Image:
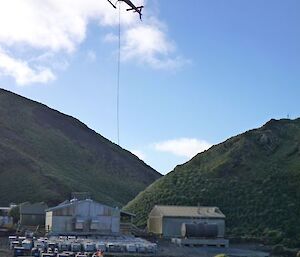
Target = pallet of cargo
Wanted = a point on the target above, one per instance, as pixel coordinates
(216, 242)
(129, 255)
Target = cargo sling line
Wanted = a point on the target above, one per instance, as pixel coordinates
(118, 76)
(139, 11)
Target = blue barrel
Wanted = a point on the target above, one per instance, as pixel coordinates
(35, 252)
(19, 251)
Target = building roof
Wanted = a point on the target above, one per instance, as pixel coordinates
(33, 208)
(5, 208)
(68, 203)
(126, 213)
(187, 211)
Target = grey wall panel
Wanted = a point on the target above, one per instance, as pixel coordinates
(106, 219)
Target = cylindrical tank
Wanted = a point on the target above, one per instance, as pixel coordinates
(200, 230)
(48, 255)
(211, 230)
(64, 246)
(69, 254)
(19, 251)
(81, 255)
(63, 255)
(39, 244)
(131, 248)
(14, 244)
(89, 246)
(151, 248)
(101, 246)
(35, 252)
(27, 244)
(51, 245)
(75, 247)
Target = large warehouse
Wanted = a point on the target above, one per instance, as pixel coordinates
(167, 221)
(82, 217)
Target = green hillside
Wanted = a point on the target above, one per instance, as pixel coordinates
(254, 178)
(45, 155)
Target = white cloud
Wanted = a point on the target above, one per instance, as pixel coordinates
(59, 27)
(186, 147)
(21, 71)
(110, 38)
(139, 154)
(148, 43)
(50, 59)
(91, 56)
(53, 24)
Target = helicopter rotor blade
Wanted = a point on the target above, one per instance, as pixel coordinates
(112, 4)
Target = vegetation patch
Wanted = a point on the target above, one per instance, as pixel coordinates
(254, 178)
(45, 155)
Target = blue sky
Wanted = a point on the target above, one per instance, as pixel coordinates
(193, 73)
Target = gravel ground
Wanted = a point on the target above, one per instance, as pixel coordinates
(175, 251)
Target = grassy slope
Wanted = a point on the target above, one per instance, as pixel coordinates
(254, 178)
(45, 155)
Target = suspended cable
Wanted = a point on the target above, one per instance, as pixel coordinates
(137, 9)
(118, 76)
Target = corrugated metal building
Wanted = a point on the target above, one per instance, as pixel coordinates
(166, 221)
(5, 219)
(82, 217)
(32, 214)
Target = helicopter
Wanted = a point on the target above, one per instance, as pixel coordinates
(134, 8)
